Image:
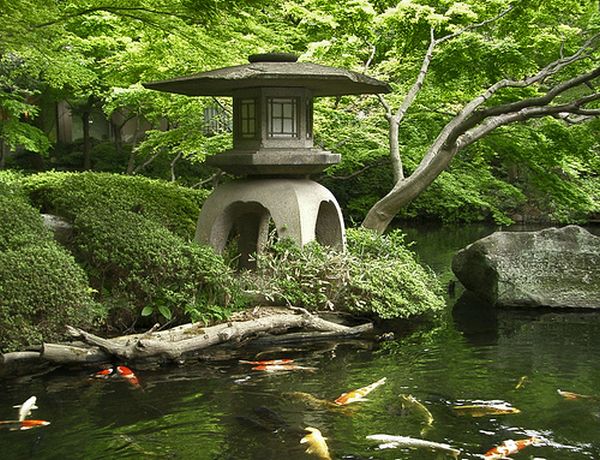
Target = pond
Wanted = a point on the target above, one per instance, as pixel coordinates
(227, 410)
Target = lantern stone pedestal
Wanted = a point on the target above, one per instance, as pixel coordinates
(300, 209)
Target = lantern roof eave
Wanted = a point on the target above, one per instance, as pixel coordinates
(320, 80)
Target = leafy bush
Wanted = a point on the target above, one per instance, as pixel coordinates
(140, 267)
(69, 194)
(377, 275)
(41, 286)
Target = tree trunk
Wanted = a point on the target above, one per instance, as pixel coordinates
(3, 153)
(87, 151)
(395, 149)
(381, 214)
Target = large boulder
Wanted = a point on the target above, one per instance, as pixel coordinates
(554, 267)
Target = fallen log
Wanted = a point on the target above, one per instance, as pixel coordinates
(69, 354)
(172, 345)
(19, 363)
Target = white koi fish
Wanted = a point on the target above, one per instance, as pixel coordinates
(316, 444)
(389, 442)
(26, 408)
(358, 395)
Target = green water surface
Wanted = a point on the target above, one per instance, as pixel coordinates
(227, 411)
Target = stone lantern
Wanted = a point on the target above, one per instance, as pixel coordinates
(273, 151)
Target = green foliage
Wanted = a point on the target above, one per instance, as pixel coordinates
(378, 276)
(69, 194)
(140, 267)
(41, 287)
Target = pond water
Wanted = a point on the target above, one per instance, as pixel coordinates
(228, 411)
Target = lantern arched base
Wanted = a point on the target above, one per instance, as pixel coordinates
(300, 209)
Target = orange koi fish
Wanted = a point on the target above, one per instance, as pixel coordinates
(27, 424)
(128, 374)
(571, 395)
(268, 362)
(358, 395)
(508, 447)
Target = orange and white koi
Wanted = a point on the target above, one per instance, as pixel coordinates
(26, 424)
(281, 367)
(31, 423)
(128, 374)
(571, 395)
(358, 395)
(268, 362)
(316, 444)
(26, 408)
(104, 373)
(508, 447)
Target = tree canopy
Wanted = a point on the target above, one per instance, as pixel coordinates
(460, 72)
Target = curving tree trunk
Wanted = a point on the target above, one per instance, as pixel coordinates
(475, 121)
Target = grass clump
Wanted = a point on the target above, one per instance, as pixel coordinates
(377, 276)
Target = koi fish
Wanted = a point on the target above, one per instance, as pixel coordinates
(411, 403)
(521, 383)
(358, 395)
(268, 362)
(571, 395)
(389, 442)
(26, 408)
(29, 424)
(316, 444)
(128, 374)
(482, 409)
(508, 447)
(312, 401)
(26, 424)
(281, 367)
(104, 373)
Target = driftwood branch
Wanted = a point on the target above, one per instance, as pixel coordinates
(173, 344)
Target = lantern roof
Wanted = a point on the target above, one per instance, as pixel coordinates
(273, 70)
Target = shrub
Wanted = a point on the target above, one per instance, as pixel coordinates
(69, 194)
(140, 267)
(377, 276)
(20, 223)
(41, 286)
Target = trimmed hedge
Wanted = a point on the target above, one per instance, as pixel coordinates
(41, 286)
(69, 194)
(139, 266)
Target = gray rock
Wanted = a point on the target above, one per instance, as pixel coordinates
(62, 229)
(554, 267)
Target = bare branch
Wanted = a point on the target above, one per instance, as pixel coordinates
(574, 107)
(173, 163)
(475, 26)
(386, 106)
(418, 84)
(371, 57)
(359, 171)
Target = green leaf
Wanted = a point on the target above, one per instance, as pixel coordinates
(165, 311)
(147, 310)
